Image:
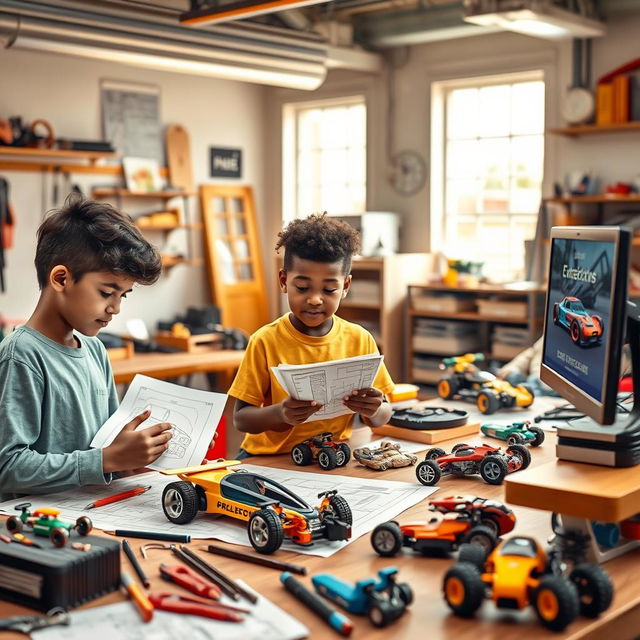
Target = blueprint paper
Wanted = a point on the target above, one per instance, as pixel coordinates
(328, 382)
(194, 414)
(122, 621)
(372, 501)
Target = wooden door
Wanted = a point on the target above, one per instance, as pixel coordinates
(233, 256)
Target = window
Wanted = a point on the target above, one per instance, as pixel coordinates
(324, 163)
(492, 146)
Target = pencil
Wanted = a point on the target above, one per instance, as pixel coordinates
(141, 601)
(151, 535)
(136, 565)
(249, 557)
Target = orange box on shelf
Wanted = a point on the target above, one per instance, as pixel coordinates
(191, 344)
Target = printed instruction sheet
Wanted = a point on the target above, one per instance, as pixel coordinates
(193, 414)
(372, 501)
(328, 382)
(122, 621)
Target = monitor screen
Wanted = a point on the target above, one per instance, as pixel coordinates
(585, 316)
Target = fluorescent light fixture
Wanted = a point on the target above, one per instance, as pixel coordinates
(540, 19)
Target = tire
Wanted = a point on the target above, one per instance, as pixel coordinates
(343, 454)
(383, 467)
(529, 390)
(428, 473)
(492, 525)
(301, 455)
(556, 317)
(381, 614)
(448, 388)
(386, 539)
(481, 537)
(515, 438)
(463, 589)
(327, 458)
(405, 592)
(473, 554)
(14, 524)
(341, 509)
(539, 435)
(84, 526)
(180, 502)
(555, 601)
(493, 469)
(595, 590)
(59, 537)
(520, 451)
(434, 452)
(574, 332)
(265, 531)
(488, 402)
(460, 445)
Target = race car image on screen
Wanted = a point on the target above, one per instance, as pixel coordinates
(583, 328)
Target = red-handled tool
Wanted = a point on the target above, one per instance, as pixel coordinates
(197, 607)
(190, 580)
(117, 497)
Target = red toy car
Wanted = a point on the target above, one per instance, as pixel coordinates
(491, 463)
(321, 447)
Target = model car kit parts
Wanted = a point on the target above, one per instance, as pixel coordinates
(515, 433)
(322, 448)
(517, 574)
(583, 328)
(272, 511)
(491, 463)
(383, 600)
(466, 381)
(45, 522)
(386, 456)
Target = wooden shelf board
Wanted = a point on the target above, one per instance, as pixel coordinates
(586, 129)
(33, 153)
(350, 304)
(595, 199)
(126, 193)
(468, 315)
(491, 289)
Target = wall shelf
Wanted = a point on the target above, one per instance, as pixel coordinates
(600, 198)
(588, 129)
(116, 192)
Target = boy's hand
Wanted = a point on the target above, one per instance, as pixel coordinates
(133, 449)
(365, 401)
(297, 411)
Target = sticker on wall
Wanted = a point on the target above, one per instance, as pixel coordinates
(225, 163)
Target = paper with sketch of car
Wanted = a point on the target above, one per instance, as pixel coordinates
(193, 414)
(328, 382)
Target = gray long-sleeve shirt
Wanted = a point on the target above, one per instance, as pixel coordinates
(53, 399)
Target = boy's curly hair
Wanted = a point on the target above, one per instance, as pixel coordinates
(85, 236)
(319, 238)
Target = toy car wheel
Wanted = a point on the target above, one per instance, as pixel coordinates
(460, 445)
(428, 473)
(58, 537)
(539, 436)
(180, 502)
(488, 402)
(84, 525)
(574, 332)
(515, 438)
(473, 554)
(595, 589)
(265, 531)
(520, 451)
(386, 539)
(381, 614)
(492, 525)
(493, 469)
(302, 455)
(383, 466)
(405, 592)
(482, 537)
(463, 589)
(343, 454)
(14, 524)
(528, 390)
(555, 313)
(447, 388)
(434, 452)
(327, 459)
(556, 602)
(339, 507)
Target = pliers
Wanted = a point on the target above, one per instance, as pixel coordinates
(190, 580)
(195, 606)
(27, 624)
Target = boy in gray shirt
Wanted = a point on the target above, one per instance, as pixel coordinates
(56, 385)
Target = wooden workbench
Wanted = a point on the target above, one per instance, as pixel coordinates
(428, 616)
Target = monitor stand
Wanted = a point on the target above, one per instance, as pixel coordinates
(617, 445)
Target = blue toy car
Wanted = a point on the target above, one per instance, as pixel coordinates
(583, 328)
(383, 601)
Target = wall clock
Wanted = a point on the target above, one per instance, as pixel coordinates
(409, 172)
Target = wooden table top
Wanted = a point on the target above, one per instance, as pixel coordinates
(428, 616)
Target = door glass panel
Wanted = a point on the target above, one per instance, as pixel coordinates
(236, 205)
(241, 225)
(245, 271)
(225, 260)
(242, 248)
(222, 227)
(218, 204)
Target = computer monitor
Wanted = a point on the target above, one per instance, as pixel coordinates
(586, 317)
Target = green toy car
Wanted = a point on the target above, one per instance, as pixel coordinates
(44, 522)
(515, 433)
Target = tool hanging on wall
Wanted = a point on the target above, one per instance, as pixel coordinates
(7, 227)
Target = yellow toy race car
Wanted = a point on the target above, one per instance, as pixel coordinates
(271, 510)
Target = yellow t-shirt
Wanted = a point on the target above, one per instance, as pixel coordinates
(281, 343)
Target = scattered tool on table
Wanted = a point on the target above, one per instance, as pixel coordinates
(136, 565)
(123, 495)
(141, 601)
(153, 545)
(27, 624)
(197, 607)
(191, 581)
(22, 539)
(256, 559)
(151, 535)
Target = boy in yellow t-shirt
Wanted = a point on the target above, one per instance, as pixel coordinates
(316, 277)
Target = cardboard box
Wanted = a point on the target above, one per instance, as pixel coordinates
(428, 436)
(507, 309)
(501, 351)
(442, 304)
(447, 345)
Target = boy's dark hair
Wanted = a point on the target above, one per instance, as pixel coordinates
(319, 238)
(86, 236)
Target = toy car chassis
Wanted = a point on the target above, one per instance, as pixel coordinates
(386, 456)
(491, 463)
(272, 511)
(515, 433)
(583, 328)
(322, 448)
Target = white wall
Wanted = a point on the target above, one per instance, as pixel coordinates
(65, 91)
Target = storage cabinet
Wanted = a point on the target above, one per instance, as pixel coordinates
(447, 321)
